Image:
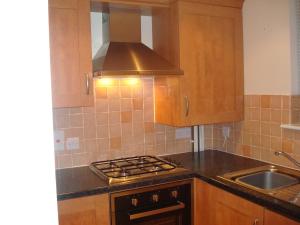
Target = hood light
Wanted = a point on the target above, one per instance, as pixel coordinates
(105, 82)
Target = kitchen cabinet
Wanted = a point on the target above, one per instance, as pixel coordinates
(92, 210)
(206, 42)
(270, 217)
(213, 206)
(230, 3)
(70, 53)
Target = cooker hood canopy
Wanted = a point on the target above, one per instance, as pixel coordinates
(123, 53)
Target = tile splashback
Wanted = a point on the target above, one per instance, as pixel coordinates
(120, 124)
(260, 135)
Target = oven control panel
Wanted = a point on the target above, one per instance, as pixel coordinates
(153, 198)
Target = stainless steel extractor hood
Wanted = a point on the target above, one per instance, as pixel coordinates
(123, 53)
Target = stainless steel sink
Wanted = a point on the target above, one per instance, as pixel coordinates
(265, 179)
(268, 180)
(280, 182)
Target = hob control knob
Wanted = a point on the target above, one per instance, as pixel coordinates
(155, 198)
(134, 202)
(174, 194)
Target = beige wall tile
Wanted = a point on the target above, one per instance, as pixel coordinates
(62, 121)
(287, 145)
(266, 142)
(137, 116)
(102, 118)
(90, 131)
(114, 117)
(115, 143)
(126, 104)
(246, 150)
(101, 92)
(127, 129)
(101, 105)
(275, 129)
(114, 105)
(149, 127)
(255, 101)
(115, 130)
(286, 102)
(276, 115)
(103, 131)
(74, 132)
(126, 91)
(285, 116)
(121, 123)
(265, 101)
(126, 117)
(80, 159)
(259, 135)
(113, 92)
(76, 120)
(137, 103)
(276, 144)
(265, 115)
(265, 128)
(65, 161)
(254, 113)
(275, 102)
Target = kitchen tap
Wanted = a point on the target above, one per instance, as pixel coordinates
(290, 158)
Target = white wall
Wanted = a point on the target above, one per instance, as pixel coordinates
(268, 47)
(27, 167)
(96, 28)
(96, 24)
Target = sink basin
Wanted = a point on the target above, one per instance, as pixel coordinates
(279, 182)
(268, 180)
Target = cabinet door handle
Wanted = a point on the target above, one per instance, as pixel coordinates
(256, 222)
(187, 105)
(87, 83)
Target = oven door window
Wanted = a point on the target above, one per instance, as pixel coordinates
(172, 214)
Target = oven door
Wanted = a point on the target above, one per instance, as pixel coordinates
(174, 214)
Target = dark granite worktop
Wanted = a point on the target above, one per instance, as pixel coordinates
(207, 165)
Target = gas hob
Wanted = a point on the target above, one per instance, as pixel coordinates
(133, 168)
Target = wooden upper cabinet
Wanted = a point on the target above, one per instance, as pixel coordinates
(272, 218)
(214, 206)
(93, 210)
(230, 3)
(206, 42)
(70, 49)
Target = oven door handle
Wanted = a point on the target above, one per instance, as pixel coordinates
(135, 216)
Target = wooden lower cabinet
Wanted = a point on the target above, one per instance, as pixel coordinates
(272, 218)
(92, 210)
(213, 206)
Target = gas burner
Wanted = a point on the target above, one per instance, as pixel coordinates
(153, 169)
(124, 172)
(141, 160)
(133, 168)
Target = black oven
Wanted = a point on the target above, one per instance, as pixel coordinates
(166, 204)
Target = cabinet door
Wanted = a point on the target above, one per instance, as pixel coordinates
(212, 59)
(92, 210)
(231, 3)
(70, 48)
(272, 218)
(214, 206)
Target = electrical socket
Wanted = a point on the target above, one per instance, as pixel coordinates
(72, 143)
(226, 132)
(59, 138)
